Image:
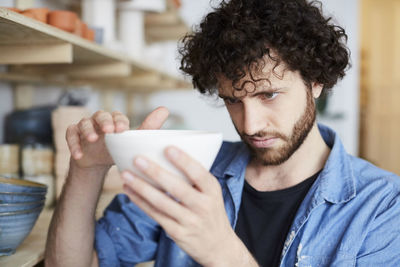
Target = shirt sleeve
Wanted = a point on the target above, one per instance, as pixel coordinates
(381, 246)
(125, 235)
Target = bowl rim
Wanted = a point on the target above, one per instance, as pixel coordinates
(16, 204)
(20, 182)
(19, 212)
(168, 133)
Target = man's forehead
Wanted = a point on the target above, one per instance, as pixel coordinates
(269, 76)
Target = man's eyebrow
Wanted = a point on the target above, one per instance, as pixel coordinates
(261, 91)
(225, 96)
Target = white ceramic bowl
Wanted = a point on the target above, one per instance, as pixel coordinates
(123, 147)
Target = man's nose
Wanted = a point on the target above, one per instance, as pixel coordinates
(254, 119)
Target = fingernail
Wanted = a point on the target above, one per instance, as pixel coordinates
(173, 153)
(108, 128)
(141, 163)
(92, 137)
(128, 177)
(77, 155)
(120, 125)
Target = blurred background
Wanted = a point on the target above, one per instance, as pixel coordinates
(122, 55)
(61, 60)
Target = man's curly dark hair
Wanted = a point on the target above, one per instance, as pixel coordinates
(239, 33)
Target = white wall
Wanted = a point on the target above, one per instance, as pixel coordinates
(345, 98)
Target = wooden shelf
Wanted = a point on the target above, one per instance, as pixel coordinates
(35, 49)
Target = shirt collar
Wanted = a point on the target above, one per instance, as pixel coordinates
(234, 161)
(336, 182)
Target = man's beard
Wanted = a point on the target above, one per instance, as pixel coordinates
(301, 129)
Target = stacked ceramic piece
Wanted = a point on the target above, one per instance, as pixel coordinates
(37, 166)
(62, 117)
(9, 161)
(20, 205)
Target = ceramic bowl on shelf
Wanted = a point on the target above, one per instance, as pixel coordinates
(12, 197)
(28, 14)
(79, 27)
(21, 186)
(14, 9)
(39, 14)
(89, 34)
(48, 180)
(63, 19)
(203, 146)
(15, 227)
(12, 207)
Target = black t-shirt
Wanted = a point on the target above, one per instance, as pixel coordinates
(265, 218)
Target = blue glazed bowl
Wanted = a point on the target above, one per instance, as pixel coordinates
(10, 197)
(11, 207)
(15, 227)
(21, 186)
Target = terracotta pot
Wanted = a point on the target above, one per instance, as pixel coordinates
(28, 14)
(84, 30)
(90, 33)
(14, 9)
(79, 28)
(177, 3)
(63, 19)
(39, 13)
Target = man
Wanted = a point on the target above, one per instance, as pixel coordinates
(287, 195)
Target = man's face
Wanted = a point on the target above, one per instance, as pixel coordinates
(273, 118)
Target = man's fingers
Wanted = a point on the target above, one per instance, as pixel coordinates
(87, 130)
(155, 119)
(73, 141)
(160, 202)
(196, 173)
(168, 182)
(104, 121)
(121, 122)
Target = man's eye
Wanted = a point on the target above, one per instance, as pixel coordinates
(231, 101)
(269, 96)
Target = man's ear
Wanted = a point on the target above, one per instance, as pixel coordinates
(316, 89)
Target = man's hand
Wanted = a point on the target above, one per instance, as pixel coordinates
(86, 138)
(192, 215)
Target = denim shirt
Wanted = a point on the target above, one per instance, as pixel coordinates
(350, 217)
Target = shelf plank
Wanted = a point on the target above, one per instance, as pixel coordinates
(17, 30)
(98, 70)
(129, 84)
(36, 53)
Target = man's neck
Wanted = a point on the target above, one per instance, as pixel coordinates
(305, 162)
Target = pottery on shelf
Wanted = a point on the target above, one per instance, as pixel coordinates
(28, 14)
(39, 14)
(14, 9)
(63, 19)
(90, 34)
